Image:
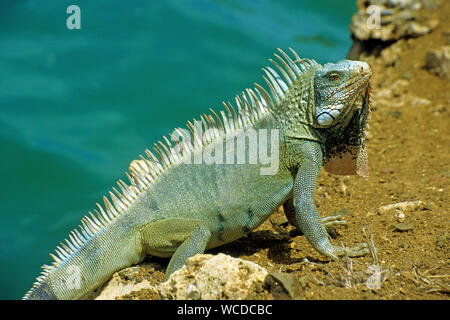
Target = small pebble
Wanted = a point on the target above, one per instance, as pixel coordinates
(401, 226)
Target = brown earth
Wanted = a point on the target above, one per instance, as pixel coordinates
(408, 147)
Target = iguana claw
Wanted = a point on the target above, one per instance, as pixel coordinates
(335, 252)
(333, 220)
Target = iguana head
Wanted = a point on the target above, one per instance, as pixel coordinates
(339, 91)
(328, 104)
(341, 110)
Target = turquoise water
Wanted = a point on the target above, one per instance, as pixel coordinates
(76, 106)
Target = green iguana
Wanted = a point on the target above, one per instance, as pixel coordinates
(176, 207)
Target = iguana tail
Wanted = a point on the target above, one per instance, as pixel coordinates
(104, 244)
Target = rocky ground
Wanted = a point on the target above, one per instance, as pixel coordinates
(401, 210)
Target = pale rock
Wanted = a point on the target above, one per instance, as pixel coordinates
(438, 61)
(396, 208)
(416, 101)
(397, 19)
(124, 282)
(206, 276)
(399, 87)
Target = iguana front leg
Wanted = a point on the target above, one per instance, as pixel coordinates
(306, 215)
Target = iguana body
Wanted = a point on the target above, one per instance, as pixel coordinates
(174, 208)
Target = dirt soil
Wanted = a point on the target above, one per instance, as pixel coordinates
(408, 148)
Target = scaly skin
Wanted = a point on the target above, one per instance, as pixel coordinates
(177, 209)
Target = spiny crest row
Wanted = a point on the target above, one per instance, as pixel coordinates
(251, 104)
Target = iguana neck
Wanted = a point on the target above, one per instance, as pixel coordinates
(349, 133)
(295, 112)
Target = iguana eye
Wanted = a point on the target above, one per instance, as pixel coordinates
(333, 76)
